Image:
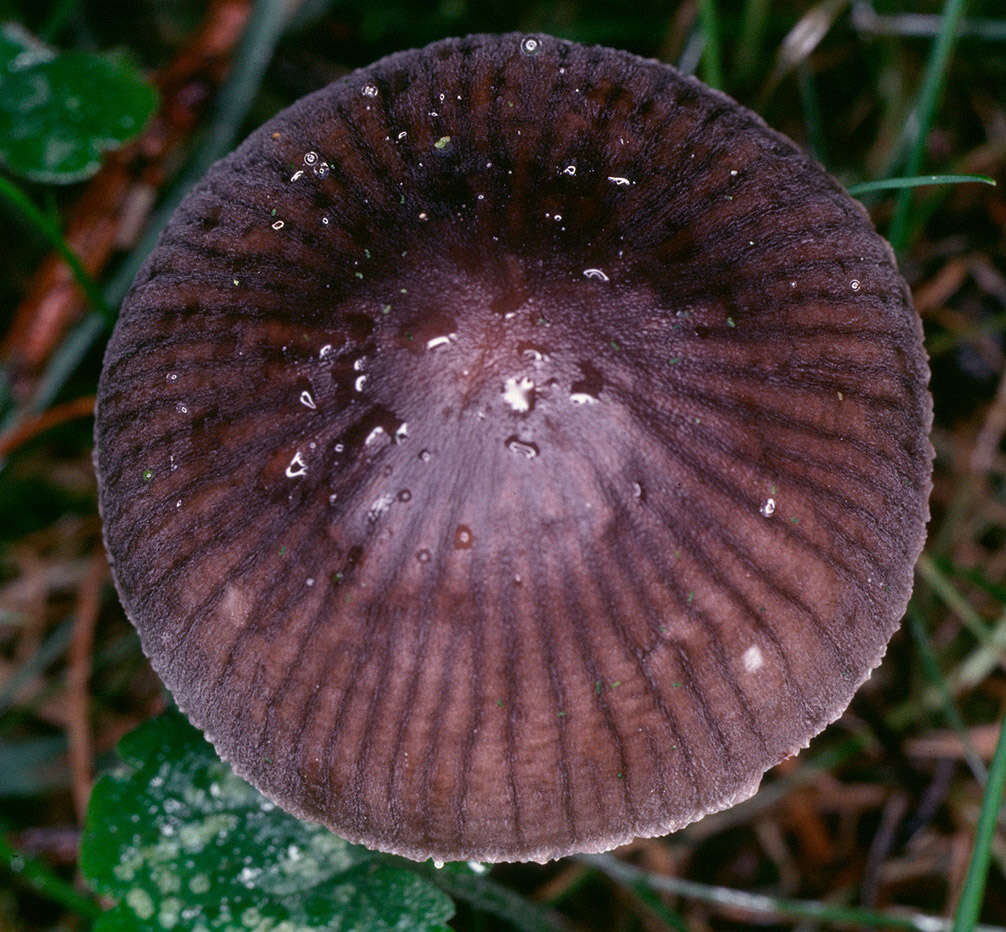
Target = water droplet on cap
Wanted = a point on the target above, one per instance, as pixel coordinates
(767, 507)
(596, 274)
(530, 45)
(524, 447)
(369, 90)
(297, 466)
(519, 394)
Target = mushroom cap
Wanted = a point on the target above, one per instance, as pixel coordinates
(512, 449)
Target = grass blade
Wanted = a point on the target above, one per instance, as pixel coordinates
(970, 903)
(918, 181)
(921, 117)
(17, 199)
(33, 873)
(712, 59)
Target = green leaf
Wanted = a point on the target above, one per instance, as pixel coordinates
(60, 112)
(180, 842)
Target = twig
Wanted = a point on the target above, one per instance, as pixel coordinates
(759, 904)
(78, 729)
(130, 177)
(32, 426)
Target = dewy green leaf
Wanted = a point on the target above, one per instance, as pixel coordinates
(60, 112)
(180, 842)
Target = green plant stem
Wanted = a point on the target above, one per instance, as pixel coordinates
(922, 115)
(752, 30)
(712, 61)
(949, 595)
(812, 117)
(631, 877)
(969, 906)
(919, 181)
(17, 199)
(33, 873)
(931, 668)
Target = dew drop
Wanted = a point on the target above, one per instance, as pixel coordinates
(297, 466)
(532, 353)
(307, 400)
(425, 455)
(181, 408)
(753, 659)
(596, 274)
(569, 170)
(374, 436)
(172, 377)
(767, 508)
(423, 556)
(369, 90)
(855, 284)
(325, 350)
(619, 180)
(378, 508)
(519, 394)
(310, 158)
(463, 537)
(524, 447)
(404, 495)
(278, 225)
(530, 45)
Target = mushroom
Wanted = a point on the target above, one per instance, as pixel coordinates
(512, 449)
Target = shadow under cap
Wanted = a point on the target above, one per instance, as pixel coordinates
(512, 449)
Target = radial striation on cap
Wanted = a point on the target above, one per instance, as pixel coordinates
(512, 449)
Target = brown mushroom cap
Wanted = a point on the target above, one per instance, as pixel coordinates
(512, 449)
